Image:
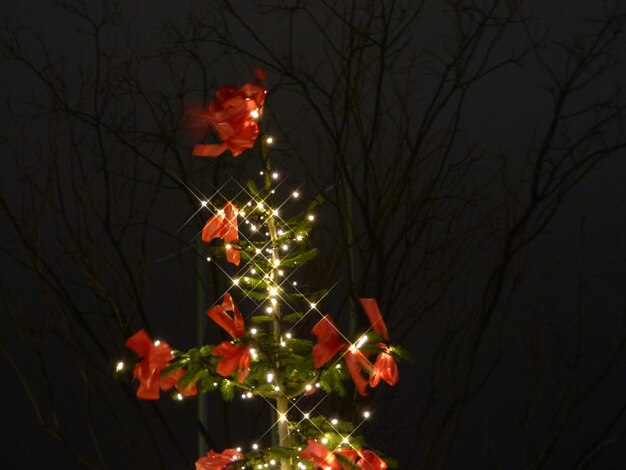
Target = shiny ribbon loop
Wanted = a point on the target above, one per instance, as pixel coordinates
(223, 225)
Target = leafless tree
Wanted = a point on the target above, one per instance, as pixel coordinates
(412, 119)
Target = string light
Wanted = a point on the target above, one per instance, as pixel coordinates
(311, 217)
(208, 259)
(324, 440)
(275, 175)
(253, 331)
(270, 377)
(299, 238)
(179, 396)
(273, 291)
(334, 421)
(255, 446)
(313, 305)
(306, 415)
(295, 194)
(362, 340)
(157, 342)
(236, 282)
(203, 203)
(254, 113)
(119, 366)
(249, 395)
(285, 247)
(269, 140)
(366, 414)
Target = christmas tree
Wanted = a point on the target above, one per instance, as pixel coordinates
(280, 345)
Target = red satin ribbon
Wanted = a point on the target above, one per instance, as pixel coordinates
(329, 343)
(234, 357)
(215, 461)
(234, 114)
(320, 456)
(148, 370)
(363, 458)
(224, 225)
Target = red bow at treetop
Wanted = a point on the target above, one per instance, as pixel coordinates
(330, 342)
(224, 225)
(323, 458)
(234, 113)
(155, 357)
(234, 357)
(214, 461)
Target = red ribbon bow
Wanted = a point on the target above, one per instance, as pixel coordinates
(155, 358)
(234, 357)
(363, 458)
(320, 456)
(234, 114)
(215, 461)
(323, 458)
(224, 225)
(329, 343)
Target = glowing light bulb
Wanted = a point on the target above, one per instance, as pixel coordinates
(324, 440)
(295, 194)
(275, 175)
(281, 272)
(273, 291)
(249, 395)
(228, 246)
(243, 396)
(255, 446)
(276, 388)
(295, 283)
(120, 366)
(270, 377)
(253, 228)
(269, 309)
(260, 206)
(179, 396)
(362, 340)
(275, 212)
(285, 247)
(253, 271)
(157, 342)
(269, 140)
(299, 238)
(334, 421)
(346, 440)
(273, 301)
(236, 281)
(254, 113)
(288, 335)
(366, 414)
(215, 384)
(208, 258)
(203, 203)
(220, 211)
(306, 415)
(272, 462)
(338, 366)
(276, 262)
(283, 344)
(311, 217)
(253, 331)
(280, 231)
(313, 305)
(282, 418)
(308, 387)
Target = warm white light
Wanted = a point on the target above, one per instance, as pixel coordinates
(276, 388)
(283, 344)
(324, 440)
(273, 301)
(269, 309)
(228, 246)
(254, 113)
(179, 396)
(253, 271)
(334, 421)
(317, 385)
(249, 394)
(243, 214)
(270, 377)
(346, 440)
(269, 140)
(120, 366)
(295, 283)
(313, 305)
(338, 366)
(288, 335)
(220, 212)
(362, 340)
(253, 331)
(157, 342)
(276, 262)
(308, 387)
(299, 238)
(280, 231)
(274, 175)
(306, 415)
(253, 228)
(366, 414)
(215, 384)
(258, 251)
(238, 449)
(208, 259)
(311, 217)
(260, 206)
(275, 212)
(273, 291)
(281, 272)
(252, 351)
(204, 203)
(295, 194)
(255, 446)
(272, 462)
(243, 396)
(236, 281)
(282, 418)
(285, 247)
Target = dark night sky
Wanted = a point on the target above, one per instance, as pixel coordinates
(577, 264)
